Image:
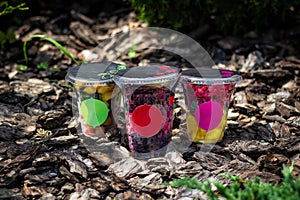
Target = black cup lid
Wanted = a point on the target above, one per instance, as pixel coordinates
(92, 73)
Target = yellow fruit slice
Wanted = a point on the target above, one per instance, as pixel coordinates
(191, 125)
(197, 134)
(110, 94)
(107, 96)
(200, 135)
(90, 90)
(103, 89)
(78, 85)
(216, 135)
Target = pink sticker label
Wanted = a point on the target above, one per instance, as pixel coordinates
(147, 120)
(209, 115)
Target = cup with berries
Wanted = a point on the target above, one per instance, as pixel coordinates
(148, 95)
(208, 95)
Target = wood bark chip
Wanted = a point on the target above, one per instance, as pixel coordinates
(52, 119)
(286, 110)
(210, 161)
(33, 87)
(84, 33)
(126, 168)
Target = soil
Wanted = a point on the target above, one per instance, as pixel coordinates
(42, 155)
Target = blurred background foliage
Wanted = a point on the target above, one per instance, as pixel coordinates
(13, 13)
(227, 16)
(232, 17)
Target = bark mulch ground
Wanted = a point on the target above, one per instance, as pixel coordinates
(42, 155)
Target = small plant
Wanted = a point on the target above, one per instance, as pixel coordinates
(54, 42)
(132, 51)
(5, 9)
(43, 65)
(55, 69)
(9, 9)
(241, 189)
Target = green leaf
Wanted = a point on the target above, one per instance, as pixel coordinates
(68, 86)
(42, 65)
(121, 67)
(132, 51)
(21, 68)
(55, 69)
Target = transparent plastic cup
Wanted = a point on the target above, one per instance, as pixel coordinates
(207, 95)
(148, 95)
(94, 91)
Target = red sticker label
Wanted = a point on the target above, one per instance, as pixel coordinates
(147, 120)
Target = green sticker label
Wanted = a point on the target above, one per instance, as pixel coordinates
(94, 112)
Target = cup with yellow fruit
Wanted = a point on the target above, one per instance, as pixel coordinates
(94, 89)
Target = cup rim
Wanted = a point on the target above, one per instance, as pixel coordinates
(118, 78)
(234, 78)
(73, 76)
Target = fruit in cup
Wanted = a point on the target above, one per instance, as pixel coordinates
(200, 135)
(196, 133)
(208, 115)
(78, 85)
(95, 117)
(147, 120)
(107, 96)
(94, 112)
(90, 90)
(209, 104)
(216, 134)
(103, 89)
(217, 92)
(93, 82)
(158, 134)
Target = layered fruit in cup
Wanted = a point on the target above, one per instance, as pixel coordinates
(148, 94)
(95, 89)
(208, 94)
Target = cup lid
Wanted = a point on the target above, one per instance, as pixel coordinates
(92, 73)
(147, 74)
(210, 76)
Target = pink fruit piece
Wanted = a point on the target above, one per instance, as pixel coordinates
(208, 115)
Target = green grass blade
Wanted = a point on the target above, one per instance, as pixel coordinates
(25, 52)
(58, 45)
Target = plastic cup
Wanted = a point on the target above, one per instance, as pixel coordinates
(94, 91)
(207, 96)
(148, 95)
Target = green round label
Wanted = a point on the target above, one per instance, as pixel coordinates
(94, 112)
